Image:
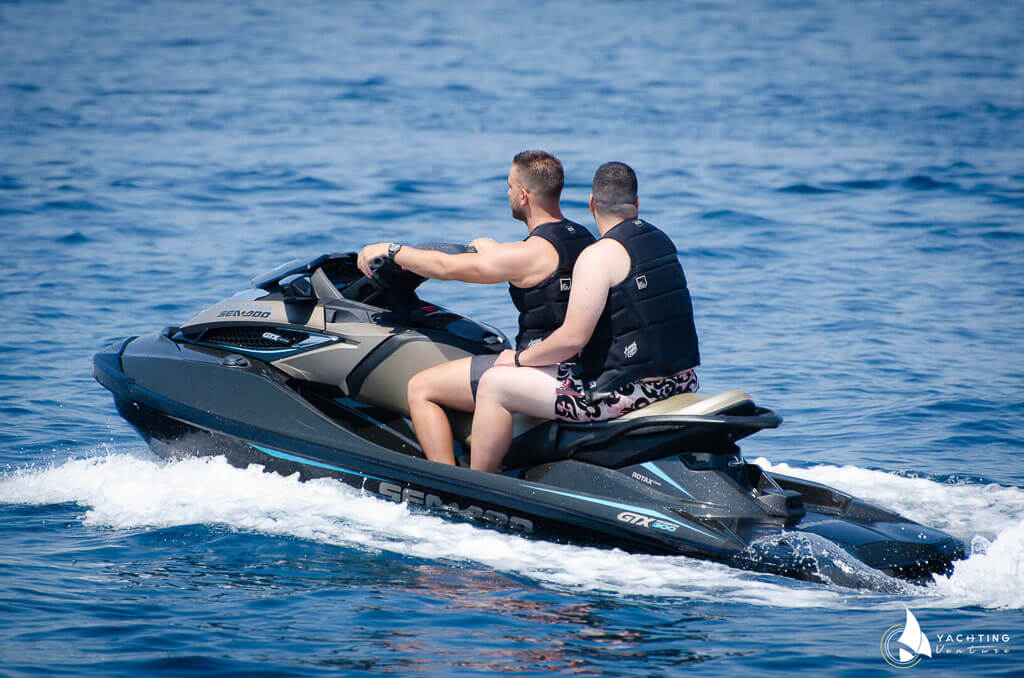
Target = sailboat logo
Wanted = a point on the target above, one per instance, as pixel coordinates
(903, 646)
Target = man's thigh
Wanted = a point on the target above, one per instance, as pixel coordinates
(528, 390)
(448, 384)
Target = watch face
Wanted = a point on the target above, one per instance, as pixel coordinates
(393, 249)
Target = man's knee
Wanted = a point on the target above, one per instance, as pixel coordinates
(492, 383)
(419, 388)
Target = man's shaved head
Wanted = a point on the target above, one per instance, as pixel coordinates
(614, 190)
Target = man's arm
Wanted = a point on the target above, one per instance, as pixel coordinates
(598, 268)
(480, 244)
(500, 262)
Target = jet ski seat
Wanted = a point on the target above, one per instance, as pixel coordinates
(690, 422)
(693, 403)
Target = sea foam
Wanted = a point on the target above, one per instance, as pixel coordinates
(989, 518)
(135, 491)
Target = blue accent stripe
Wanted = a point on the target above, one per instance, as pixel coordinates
(309, 462)
(627, 507)
(664, 476)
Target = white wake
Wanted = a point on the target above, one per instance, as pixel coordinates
(988, 518)
(125, 491)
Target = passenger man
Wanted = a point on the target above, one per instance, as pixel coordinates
(630, 318)
(538, 270)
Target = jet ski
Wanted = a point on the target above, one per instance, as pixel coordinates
(307, 371)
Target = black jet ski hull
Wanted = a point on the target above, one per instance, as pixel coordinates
(563, 508)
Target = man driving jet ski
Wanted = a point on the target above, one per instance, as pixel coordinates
(538, 271)
(630, 318)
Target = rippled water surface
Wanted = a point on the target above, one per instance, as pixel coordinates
(845, 182)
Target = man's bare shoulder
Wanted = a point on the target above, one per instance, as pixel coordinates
(537, 243)
(536, 260)
(604, 251)
(605, 255)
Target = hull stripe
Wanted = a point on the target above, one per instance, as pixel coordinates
(626, 507)
(309, 462)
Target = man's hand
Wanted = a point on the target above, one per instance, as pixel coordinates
(368, 254)
(480, 244)
(506, 358)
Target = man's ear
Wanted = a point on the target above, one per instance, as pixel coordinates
(591, 202)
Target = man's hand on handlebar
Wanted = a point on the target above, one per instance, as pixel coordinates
(368, 254)
(480, 244)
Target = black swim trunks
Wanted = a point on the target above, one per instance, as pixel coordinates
(479, 364)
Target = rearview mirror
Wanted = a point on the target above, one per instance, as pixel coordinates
(297, 288)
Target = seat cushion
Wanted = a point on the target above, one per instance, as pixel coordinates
(692, 403)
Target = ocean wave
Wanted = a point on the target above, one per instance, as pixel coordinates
(805, 189)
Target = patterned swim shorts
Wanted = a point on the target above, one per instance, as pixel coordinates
(572, 403)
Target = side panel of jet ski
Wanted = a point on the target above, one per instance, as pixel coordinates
(228, 422)
(383, 378)
(232, 388)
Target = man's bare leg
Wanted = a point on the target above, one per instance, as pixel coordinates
(502, 391)
(430, 391)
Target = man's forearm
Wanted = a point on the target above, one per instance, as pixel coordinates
(428, 263)
(560, 346)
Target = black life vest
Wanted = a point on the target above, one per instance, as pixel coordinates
(646, 328)
(542, 307)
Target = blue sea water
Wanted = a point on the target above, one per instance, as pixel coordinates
(845, 183)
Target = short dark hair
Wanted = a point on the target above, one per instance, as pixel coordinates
(615, 190)
(541, 172)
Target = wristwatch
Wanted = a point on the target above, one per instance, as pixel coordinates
(393, 250)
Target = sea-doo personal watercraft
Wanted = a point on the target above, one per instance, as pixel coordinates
(307, 372)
